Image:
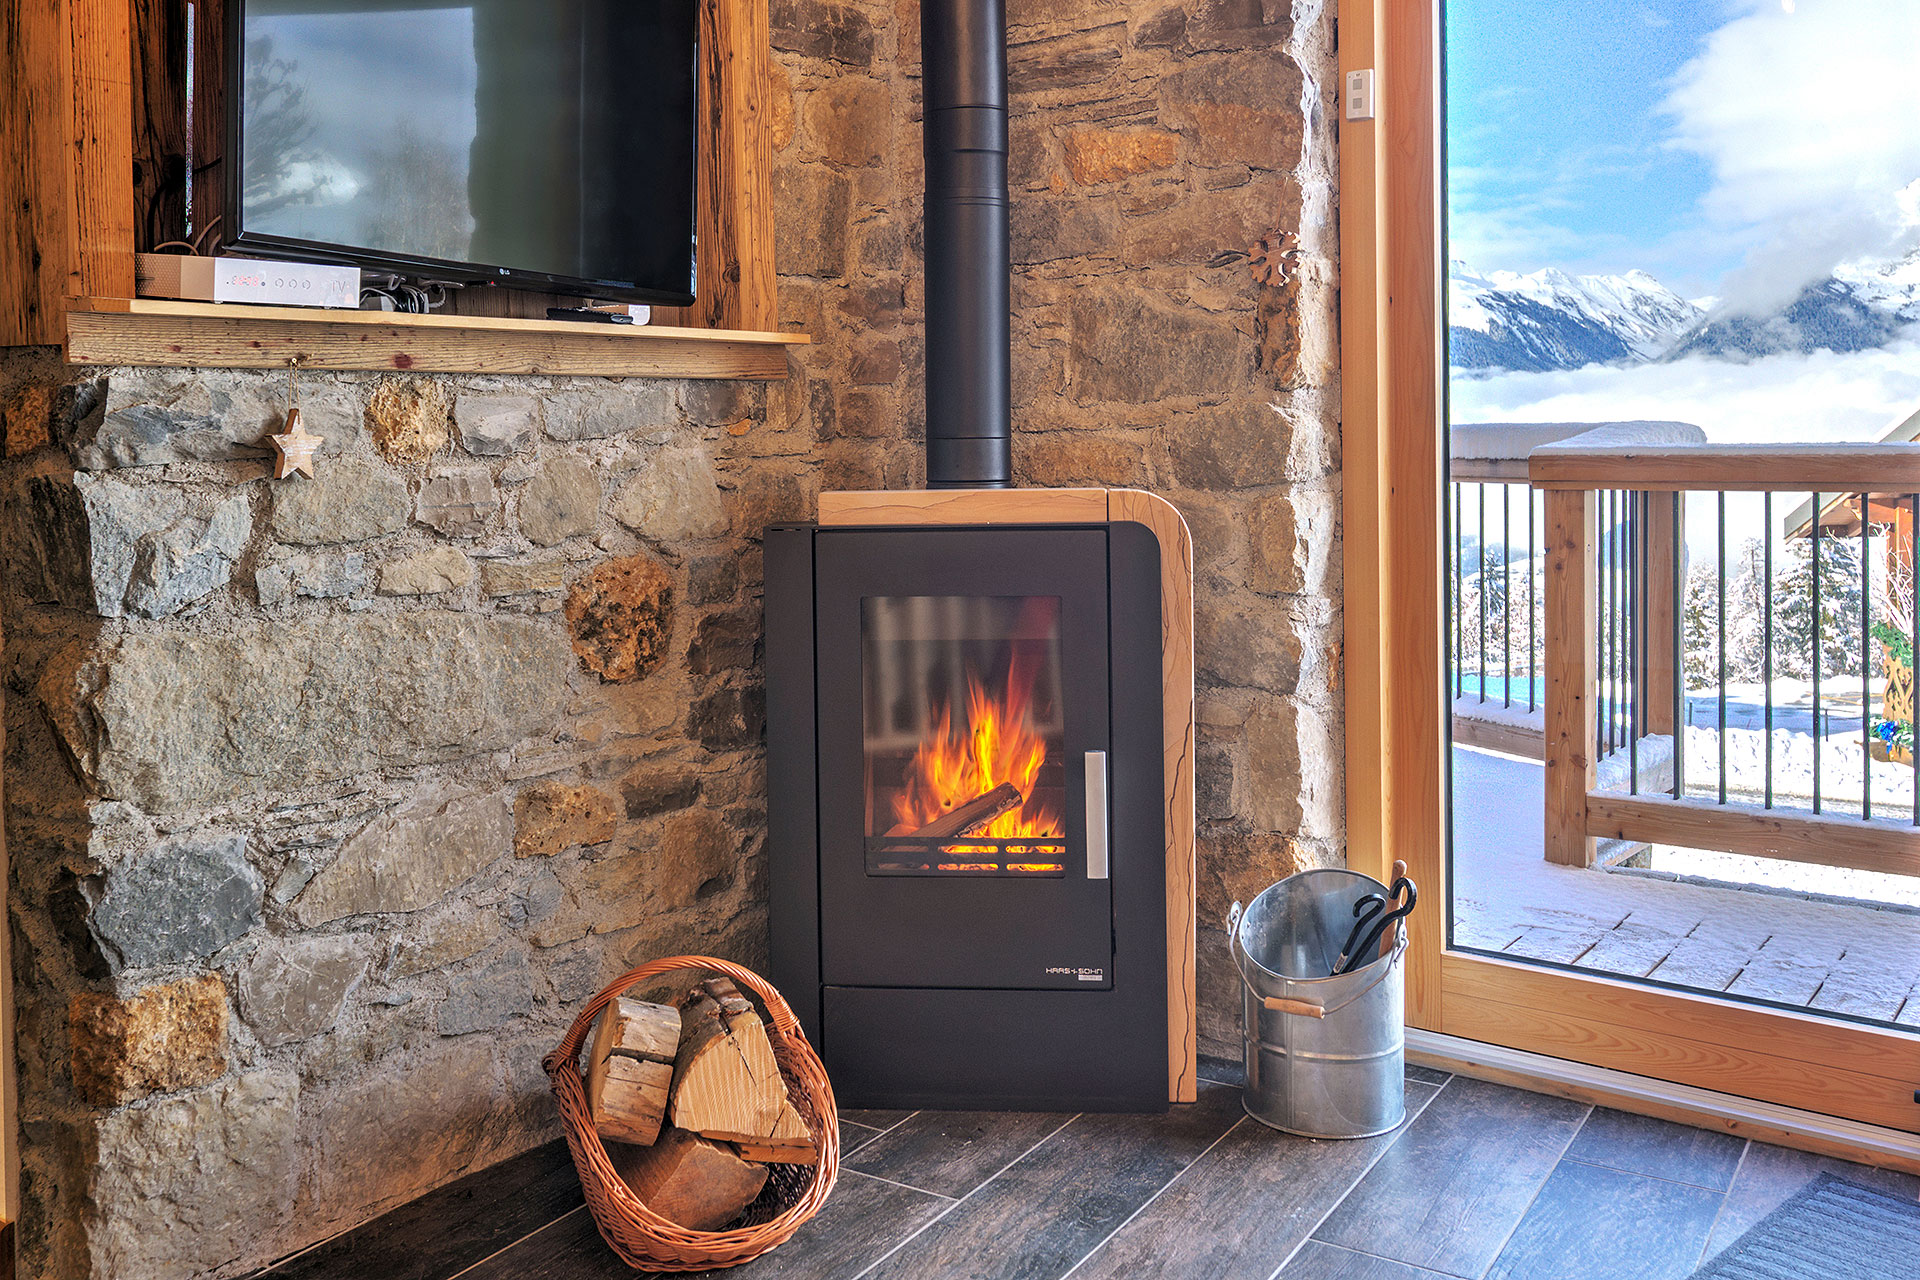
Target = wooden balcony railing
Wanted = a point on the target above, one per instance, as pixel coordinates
(1638, 569)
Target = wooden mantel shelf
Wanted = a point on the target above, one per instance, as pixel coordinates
(151, 331)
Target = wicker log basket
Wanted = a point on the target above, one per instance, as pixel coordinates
(793, 1193)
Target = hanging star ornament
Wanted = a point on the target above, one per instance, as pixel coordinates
(295, 449)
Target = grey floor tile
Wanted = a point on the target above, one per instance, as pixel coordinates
(882, 1120)
(1427, 1075)
(861, 1220)
(1602, 1224)
(854, 1136)
(951, 1152)
(1042, 1215)
(1658, 1148)
(1448, 1193)
(1319, 1261)
(1769, 1174)
(1243, 1206)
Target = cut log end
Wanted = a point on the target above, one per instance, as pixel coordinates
(689, 1180)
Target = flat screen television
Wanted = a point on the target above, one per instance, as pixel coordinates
(540, 144)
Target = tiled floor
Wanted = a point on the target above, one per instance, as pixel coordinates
(1482, 1181)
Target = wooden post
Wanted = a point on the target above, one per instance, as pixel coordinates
(1656, 682)
(1571, 661)
(734, 190)
(160, 121)
(100, 214)
(209, 119)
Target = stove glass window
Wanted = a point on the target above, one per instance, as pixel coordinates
(965, 736)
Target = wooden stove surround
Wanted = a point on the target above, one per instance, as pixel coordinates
(1103, 506)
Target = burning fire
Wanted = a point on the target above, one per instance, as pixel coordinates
(999, 745)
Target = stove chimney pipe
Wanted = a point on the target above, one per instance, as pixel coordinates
(963, 60)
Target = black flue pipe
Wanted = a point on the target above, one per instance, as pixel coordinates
(963, 59)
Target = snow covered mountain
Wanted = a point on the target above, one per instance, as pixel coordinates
(1503, 321)
(1858, 308)
(1551, 320)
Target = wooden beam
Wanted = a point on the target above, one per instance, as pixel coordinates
(1490, 470)
(1797, 1060)
(1503, 736)
(1571, 752)
(965, 506)
(1891, 848)
(35, 176)
(147, 331)
(735, 271)
(100, 135)
(1851, 468)
(1663, 539)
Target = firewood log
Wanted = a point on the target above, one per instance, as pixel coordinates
(687, 1179)
(630, 1069)
(968, 818)
(726, 1083)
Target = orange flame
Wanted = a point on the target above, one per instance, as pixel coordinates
(999, 745)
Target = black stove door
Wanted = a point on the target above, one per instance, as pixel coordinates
(963, 713)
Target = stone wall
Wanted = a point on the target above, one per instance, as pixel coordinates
(328, 801)
(1175, 329)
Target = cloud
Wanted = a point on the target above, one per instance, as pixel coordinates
(1790, 398)
(1806, 115)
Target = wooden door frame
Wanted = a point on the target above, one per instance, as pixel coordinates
(1397, 741)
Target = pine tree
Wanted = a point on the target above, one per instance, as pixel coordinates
(1839, 610)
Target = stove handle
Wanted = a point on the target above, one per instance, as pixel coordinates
(1097, 864)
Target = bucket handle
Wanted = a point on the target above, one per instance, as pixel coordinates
(1308, 1008)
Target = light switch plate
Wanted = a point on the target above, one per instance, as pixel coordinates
(1360, 95)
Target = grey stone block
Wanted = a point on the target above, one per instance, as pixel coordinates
(411, 858)
(492, 997)
(169, 721)
(293, 990)
(181, 900)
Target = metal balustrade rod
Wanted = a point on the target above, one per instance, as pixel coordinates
(1506, 595)
(1866, 667)
(1766, 632)
(1635, 638)
(1816, 652)
(1678, 642)
(1533, 590)
(1720, 582)
(1481, 649)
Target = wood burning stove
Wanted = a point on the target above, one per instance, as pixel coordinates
(968, 846)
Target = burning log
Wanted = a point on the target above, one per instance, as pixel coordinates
(967, 819)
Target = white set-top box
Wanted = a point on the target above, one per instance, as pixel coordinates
(277, 284)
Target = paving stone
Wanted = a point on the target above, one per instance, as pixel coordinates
(183, 899)
(1705, 963)
(1780, 980)
(673, 497)
(293, 989)
(348, 500)
(156, 416)
(1630, 950)
(183, 1186)
(319, 577)
(426, 573)
(1558, 945)
(552, 817)
(411, 858)
(611, 410)
(621, 617)
(520, 577)
(374, 692)
(1863, 987)
(458, 504)
(165, 1038)
(493, 426)
(408, 418)
(492, 997)
(560, 502)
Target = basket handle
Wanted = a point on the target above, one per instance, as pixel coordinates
(1305, 1008)
(778, 1010)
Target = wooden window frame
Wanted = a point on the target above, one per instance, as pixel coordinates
(1397, 740)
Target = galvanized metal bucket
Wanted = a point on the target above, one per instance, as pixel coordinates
(1325, 1055)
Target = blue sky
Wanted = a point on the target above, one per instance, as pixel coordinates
(1557, 150)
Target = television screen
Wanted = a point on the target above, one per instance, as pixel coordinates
(539, 143)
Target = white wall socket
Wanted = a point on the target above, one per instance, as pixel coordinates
(1360, 95)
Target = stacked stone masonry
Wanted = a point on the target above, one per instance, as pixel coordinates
(328, 802)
